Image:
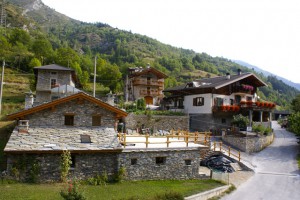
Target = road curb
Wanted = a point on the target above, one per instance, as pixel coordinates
(208, 194)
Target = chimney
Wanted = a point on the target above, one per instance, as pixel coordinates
(23, 126)
(28, 100)
(239, 71)
(227, 76)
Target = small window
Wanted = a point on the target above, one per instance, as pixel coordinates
(223, 121)
(85, 139)
(133, 161)
(53, 73)
(96, 120)
(72, 165)
(53, 83)
(249, 98)
(198, 101)
(69, 120)
(188, 162)
(160, 160)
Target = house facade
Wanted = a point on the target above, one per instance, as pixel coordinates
(86, 126)
(212, 102)
(147, 83)
(54, 81)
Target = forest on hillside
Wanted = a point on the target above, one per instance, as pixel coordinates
(44, 37)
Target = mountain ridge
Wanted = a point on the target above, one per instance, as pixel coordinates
(267, 73)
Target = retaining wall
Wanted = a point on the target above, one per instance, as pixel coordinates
(249, 144)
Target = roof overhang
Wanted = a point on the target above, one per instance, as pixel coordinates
(82, 96)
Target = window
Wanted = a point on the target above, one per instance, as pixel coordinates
(160, 160)
(223, 121)
(85, 139)
(231, 101)
(198, 101)
(72, 165)
(96, 120)
(188, 162)
(53, 73)
(53, 82)
(133, 161)
(69, 120)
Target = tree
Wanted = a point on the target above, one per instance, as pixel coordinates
(42, 49)
(296, 104)
(34, 62)
(66, 56)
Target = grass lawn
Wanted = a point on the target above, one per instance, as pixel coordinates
(136, 190)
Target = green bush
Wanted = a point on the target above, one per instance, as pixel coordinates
(72, 192)
(259, 128)
(240, 121)
(98, 179)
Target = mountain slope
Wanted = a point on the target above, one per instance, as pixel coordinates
(73, 43)
(266, 73)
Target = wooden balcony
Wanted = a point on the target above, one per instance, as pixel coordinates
(157, 83)
(149, 92)
(244, 105)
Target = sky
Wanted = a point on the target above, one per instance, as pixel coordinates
(263, 33)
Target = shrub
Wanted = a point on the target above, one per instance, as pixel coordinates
(72, 192)
(120, 175)
(98, 179)
(34, 172)
(65, 164)
(240, 121)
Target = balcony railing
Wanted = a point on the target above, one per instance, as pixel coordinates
(149, 92)
(244, 105)
(148, 82)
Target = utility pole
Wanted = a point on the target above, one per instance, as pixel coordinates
(94, 92)
(2, 77)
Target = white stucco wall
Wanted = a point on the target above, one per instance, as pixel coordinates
(206, 108)
(208, 102)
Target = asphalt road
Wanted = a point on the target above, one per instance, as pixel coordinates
(276, 172)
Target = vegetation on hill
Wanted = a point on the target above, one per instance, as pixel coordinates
(38, 35)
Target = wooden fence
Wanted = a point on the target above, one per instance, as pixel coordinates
(173, 137)
(219, 146)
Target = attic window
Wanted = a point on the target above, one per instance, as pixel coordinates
(85, 139)
(69, 120)
(96, 120)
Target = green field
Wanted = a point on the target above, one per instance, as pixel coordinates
(126, 190)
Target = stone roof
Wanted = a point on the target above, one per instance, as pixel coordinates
(45, 139)
(53, 67)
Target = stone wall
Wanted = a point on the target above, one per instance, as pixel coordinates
(157, 122)
(249, 144)
(83, 113)
(139, 164)
(178, 164)
(207, 122)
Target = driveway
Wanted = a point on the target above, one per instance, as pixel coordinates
(276, 172)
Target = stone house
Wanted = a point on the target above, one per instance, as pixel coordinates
(54, 81)
(85, 126)
(212, 102)
(147, 83)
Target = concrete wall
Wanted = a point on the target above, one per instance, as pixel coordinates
(249, 144)
(206, 108)
(157, 122)
(82, 115)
